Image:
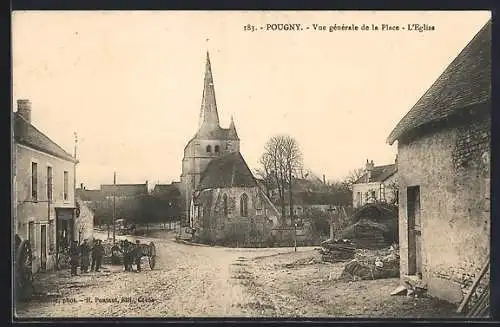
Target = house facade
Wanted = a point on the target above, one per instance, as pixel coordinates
(378, 183)
(444, 175)
(44, 190)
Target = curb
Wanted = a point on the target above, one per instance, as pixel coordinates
(190, 243)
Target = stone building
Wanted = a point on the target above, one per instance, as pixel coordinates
(222, 197)
(44, 190)
(376, 184)
(444, 174)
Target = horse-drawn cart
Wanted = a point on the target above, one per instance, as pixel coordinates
(120, 249)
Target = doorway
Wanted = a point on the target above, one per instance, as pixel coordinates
(414, 230)
(43, 247)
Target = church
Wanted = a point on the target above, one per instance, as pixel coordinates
(224, 203)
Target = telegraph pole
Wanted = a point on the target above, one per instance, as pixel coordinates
(114, 207)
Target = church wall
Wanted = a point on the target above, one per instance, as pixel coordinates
(234, 229)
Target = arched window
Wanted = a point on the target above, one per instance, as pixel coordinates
(224, 200)
(209, 148)
(216, 148)
(244, 205)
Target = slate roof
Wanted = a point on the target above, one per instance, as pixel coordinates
(217, 134)
(465, 82)
(230, 170)
(378, 174)
(27, 134)
(124, 189)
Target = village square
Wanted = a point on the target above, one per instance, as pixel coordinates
(406, 238)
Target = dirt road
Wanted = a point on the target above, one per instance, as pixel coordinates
(201, 281)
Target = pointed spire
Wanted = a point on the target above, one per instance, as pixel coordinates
(209, 117)
(232, 130)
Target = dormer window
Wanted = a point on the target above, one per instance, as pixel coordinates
(216, 149)
(209, 148)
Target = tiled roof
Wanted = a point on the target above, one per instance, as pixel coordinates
(378, 174)
(230, 170)
(124, 189)
(166, 188)
(27, 134)
(89, 195)
(465, 82)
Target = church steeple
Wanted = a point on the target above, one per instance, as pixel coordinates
(209, 117)
(232, 130)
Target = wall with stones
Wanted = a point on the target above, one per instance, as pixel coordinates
(234, 229)
(451, 166)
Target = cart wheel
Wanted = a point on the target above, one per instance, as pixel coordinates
(152, 262)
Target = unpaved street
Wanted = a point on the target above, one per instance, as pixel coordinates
(203, 281)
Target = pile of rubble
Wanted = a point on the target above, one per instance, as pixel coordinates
(373, 264)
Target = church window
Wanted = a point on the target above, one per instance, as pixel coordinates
(209, 148)
(216, 148)
(224, 200)
(244, 205)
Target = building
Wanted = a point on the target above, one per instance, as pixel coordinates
(210, 141)
(444, 174)
(124, 191)
(378, 183)
(44, 190)
(222, 197)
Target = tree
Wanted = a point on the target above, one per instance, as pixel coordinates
(352, 177)
(281, 160)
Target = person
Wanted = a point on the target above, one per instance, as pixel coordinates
(74, 254)
(126, 256)
(97, 254)
(138, 255)
(85, 256)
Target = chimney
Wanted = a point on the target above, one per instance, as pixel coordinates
(81, 186)
(369, 167)
(396, 160)
(24, 109)
(324, 179)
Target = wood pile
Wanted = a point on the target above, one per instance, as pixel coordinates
(369, 264)
(337, 250)
(375, 226)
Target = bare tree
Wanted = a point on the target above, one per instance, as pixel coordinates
(352, 177)
(281, 160)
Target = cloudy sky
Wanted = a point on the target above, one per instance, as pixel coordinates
(130, 83)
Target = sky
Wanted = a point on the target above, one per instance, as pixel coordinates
(130, 83)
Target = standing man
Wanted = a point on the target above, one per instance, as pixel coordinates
(138, 255)
(85, 256)
(97, 254)
(74, 254)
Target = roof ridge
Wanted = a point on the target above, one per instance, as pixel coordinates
(18, 116)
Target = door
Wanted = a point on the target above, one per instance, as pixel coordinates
(414, 231)
(43, 247)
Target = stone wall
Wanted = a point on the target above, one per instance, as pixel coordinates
(451, 167)
(234, 229)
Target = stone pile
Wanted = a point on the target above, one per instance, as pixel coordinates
(373, 264)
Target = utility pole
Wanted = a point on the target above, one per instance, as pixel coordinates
(114, 207)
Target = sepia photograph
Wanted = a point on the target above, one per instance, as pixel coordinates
(251, 164)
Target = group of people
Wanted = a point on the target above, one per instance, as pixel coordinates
(86, 256)
(132, 254)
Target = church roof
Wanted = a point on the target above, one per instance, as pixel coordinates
(464, 83)
(27, 134)
(230, 170)
(218, 133)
